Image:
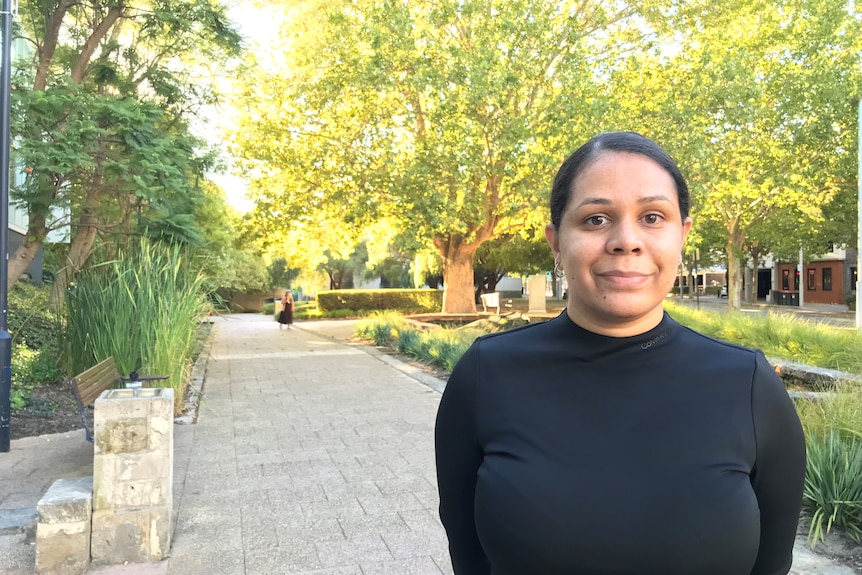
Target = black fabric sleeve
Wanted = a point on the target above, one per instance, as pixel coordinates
(779, 471)
(459, 456)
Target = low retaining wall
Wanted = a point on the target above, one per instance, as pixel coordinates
(800, 375)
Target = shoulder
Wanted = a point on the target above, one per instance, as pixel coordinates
(519, 338)
(731, 362)
(693, 340)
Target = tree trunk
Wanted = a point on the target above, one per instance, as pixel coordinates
(96, 36)
(24, 255)
(734, 270)
(53, 23)
(79, 252)
(458, 281)
(458, 275)
(81, 247)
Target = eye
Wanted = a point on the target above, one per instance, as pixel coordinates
(652, 218)
(596, 220)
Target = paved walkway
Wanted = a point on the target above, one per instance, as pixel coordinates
(310, 456)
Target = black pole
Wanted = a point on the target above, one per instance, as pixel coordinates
(697, 277)
(5, 338)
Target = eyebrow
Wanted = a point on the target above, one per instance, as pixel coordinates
(607, 202)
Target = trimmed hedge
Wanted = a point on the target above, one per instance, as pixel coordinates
(381, 299)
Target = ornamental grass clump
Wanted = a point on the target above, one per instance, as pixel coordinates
(380, 327)
(438, 347)
(410, 342)
(446, 346)
(833, 484)
(833, 480)
(143, 308)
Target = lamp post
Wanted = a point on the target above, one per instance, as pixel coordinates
(5, 339)
(697, 276)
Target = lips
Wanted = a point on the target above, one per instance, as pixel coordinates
(624, 278)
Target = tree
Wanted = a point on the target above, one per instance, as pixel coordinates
(447, 116)
(281, 274)
(108, 90)
(340, 269)
(758, 101)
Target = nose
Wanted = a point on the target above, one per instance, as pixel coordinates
(625, 237)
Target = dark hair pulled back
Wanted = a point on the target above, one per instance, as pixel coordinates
(621, 142)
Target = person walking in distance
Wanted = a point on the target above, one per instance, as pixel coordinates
(285, 318)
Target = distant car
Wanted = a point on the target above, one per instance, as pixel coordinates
(723, 291)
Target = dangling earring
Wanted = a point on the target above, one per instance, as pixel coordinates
(557, 271)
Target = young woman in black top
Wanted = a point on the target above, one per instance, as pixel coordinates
(612, 440)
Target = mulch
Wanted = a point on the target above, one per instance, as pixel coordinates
(50, 409)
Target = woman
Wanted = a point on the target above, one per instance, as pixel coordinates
(612, 440)
(285, 317)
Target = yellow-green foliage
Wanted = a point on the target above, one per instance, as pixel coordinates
(783, 336)
(381, 299)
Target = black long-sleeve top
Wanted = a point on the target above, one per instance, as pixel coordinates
(561, 451)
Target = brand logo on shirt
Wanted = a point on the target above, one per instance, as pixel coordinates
(656, 340)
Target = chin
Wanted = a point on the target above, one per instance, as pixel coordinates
(628, 310)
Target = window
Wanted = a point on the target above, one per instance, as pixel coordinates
(785, 280)
(812, 279)
(827, 279)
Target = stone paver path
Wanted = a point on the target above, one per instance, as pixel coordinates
(309, 456)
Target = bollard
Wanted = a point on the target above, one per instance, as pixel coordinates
(132, 476)
(536, 288)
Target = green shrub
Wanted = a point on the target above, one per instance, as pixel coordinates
(833, 484)
(22, 386)
(850, 300)
(31, 367)
(30, 319)
(269, 308)
(381, 299)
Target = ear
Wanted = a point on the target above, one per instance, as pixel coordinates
(553, 237)
(686, 227)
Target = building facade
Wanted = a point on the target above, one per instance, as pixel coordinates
(827, 279)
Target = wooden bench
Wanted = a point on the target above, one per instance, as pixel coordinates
(490, 300)
(89, 385)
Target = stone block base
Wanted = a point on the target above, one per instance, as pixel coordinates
(63, 530)
(136, 536)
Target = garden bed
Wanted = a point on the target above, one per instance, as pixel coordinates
(50, 409)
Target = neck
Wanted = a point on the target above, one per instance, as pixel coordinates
(618, 327)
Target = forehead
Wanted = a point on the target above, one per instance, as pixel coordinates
(623, 175)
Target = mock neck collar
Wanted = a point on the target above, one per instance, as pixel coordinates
(590, 345)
